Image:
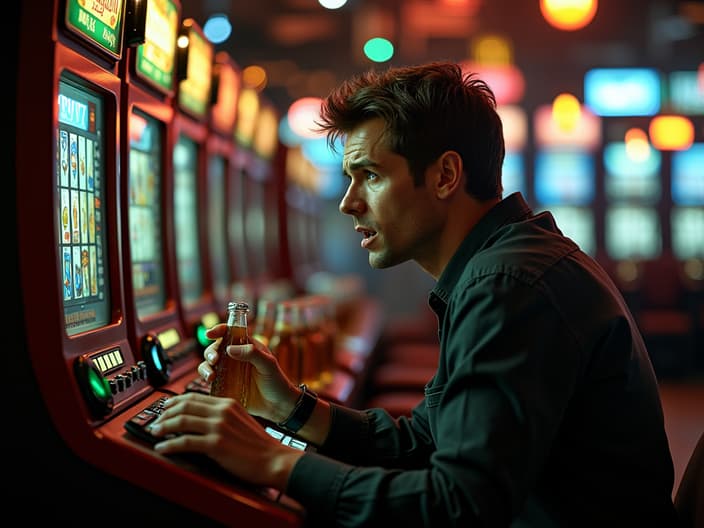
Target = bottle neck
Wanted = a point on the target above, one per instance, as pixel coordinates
(237, 318)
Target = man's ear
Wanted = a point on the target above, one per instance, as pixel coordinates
(449, 174)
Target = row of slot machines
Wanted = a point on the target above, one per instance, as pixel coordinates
(149, 193)
(624, 207)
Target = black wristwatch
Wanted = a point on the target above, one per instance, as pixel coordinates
(301, 411)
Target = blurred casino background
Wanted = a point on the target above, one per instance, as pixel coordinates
(603, 109)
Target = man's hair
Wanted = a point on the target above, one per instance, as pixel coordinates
(428, 109)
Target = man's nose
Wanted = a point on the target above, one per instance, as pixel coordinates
(351, 204)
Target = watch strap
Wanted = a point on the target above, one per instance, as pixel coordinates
(301, 411)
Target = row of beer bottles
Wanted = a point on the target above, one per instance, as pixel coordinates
(300, 332)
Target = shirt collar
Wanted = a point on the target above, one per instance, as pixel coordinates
(510, 209)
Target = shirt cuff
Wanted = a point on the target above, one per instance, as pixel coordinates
(315, 476)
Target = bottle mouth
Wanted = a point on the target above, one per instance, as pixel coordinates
(238, 305)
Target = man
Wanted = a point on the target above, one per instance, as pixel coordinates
(544, 410)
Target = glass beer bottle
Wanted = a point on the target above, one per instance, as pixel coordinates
(284, 342)
(232, 377)
(264, 323)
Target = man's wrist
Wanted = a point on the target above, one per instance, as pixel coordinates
(301, 412)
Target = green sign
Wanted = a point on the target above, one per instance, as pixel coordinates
(98, 21)
(156, 58)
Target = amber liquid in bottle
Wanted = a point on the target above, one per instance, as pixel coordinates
(264, 323)
(284, 342)
(233, 377)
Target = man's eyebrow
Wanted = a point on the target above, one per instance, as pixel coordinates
(360, 164)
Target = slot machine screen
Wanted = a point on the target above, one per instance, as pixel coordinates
(255, 225)
(577, 223)
(235, 221)
(631, 178)
(688, 232)
(82, 208)
(190, 275)
(687, 216)
(564, 177)
(217, 224)
(146, 241)
(686, 92)
(632, 232)
(688, 176)
(513, 174)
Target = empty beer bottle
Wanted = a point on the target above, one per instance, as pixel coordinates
(232, 377)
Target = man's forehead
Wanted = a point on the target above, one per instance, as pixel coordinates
(365, 140)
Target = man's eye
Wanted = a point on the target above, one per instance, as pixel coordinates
(370, 175)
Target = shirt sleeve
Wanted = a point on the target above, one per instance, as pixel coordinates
(494, 408)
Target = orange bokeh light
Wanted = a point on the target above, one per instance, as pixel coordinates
(568, 15)
(637, 146)
(671, 132)
(566, 111)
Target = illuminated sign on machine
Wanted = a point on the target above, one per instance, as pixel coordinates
(98, 22)
(156, 58)
(109, 360)
(194, 89)
(169, 338)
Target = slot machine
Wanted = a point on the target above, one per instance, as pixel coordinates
(163, 352)
(686, 98)
(302, 213)
(84, 371)
(149, 78)
(565, 173)
(632, 183)
(190, 132)
(220, 152)
(244, 285)
(263, 196)
(265, 214)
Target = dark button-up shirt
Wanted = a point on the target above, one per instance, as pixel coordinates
(544, 410)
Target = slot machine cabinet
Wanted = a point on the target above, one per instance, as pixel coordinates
(565, 174)
(164, 187)
(244, 285)
(227, 79)
(302, 216)
(633, 212)
(149, 77)
(264, 191)
(81, 372)
(76, 384)
(197, 305)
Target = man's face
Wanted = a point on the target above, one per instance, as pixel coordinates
(397, 220)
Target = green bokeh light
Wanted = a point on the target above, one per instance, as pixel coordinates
(200, 336)
(378, 49)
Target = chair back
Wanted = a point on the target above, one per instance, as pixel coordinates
(689, 499)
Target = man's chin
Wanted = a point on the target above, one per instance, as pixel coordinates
(378, 261)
